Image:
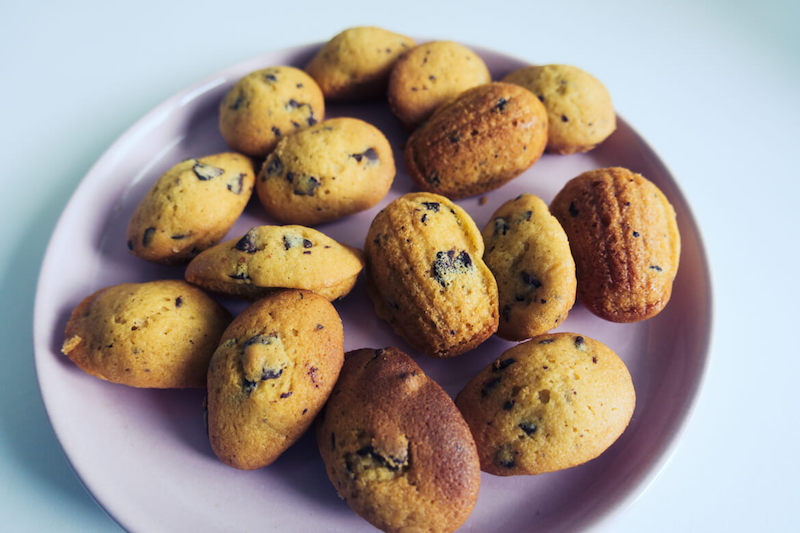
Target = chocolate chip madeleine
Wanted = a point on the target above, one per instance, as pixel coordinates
(624, 238)
(426, 277)
(396, 447)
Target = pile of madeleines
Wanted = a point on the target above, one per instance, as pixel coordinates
(397, 448)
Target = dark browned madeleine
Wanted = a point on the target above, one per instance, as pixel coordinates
(396, 447)
(479, 141)
(624, 237)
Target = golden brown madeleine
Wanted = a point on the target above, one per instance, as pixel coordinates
(274, 257)
(578, 105)
(335, 168)
(528, 253)
(550, 403)
(274, 368)
(396, 447)
(158, 334)
(479, 141)
(432, 74)
(355, 63)
(191, 207)
(624, 238)
(267, 104)
(426, 276)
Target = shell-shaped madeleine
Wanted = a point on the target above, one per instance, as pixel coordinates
(624, 237)
(426, 276)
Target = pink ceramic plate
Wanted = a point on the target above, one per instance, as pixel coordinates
(144, 454)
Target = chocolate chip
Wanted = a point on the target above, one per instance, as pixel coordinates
(237, 103)
(206, 172)
(241, 276)
(286, 394)
(594, 359)
(546, 341)
(635, 233)
(276, 130)
(260, 339)
(386, 461)
(424, 218)
(489, 386)
(431, 206)
(235, 184)
(311, 120)
(508, 405)
(656, 268)
(247, 243)
(320, 326)
(528, 427)
(274, 165)
(527, 215)
(501, 104)
(505, 457)
(580, 344)
(248, 386)
(299, 85)
(147, 236)
(433, 179)
(572, 210)
(369, 155)
(448, 264)
(454, 138)
(502, 365)
(178, 236)
(564, 118)
(305, 185)
(178, 301)
(271, 373)
(270, 76)
(530, 280)
(293, 104)
(500, 226)
(291, 240)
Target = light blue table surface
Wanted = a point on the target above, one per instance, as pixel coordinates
(712, 85)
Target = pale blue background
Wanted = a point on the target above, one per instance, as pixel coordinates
(713, 86)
